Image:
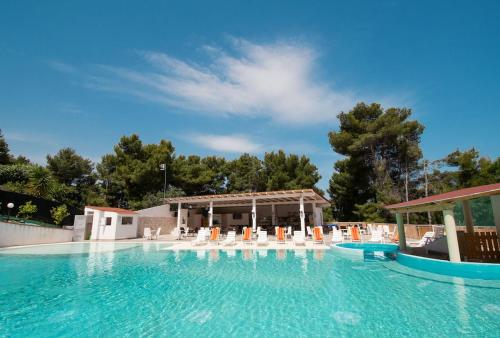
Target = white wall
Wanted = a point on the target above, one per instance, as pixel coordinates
(115, 230)
(19, 234)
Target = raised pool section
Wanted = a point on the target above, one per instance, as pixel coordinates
(482, 271)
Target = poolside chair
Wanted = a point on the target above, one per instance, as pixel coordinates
(386, 232)
(230, 239)
(337, 236)
(355, 235)
(280, 235)
(247, 235)
(309, 231)
(377, 236)
(348, 232)
(156, 234)
(289, 232)
(200, 238)
(214, 236)
(427, 238)
(318, 235)
(262, 238)
(299, 238)
(147, 233)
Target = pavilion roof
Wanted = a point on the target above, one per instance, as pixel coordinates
(439, 201)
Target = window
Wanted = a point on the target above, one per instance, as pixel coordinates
(237, 216)
(108, 220)
(127, 220)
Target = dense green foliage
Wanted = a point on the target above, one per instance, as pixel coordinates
(383, 165)
(130, 176)
(27, 210)
(381, 150)
(59, 213)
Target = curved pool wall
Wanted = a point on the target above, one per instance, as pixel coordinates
(464, 269)
(364, 251)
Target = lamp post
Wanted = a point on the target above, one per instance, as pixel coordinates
(163, 167)
(9, 207)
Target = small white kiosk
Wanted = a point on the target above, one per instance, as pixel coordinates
(112, 223)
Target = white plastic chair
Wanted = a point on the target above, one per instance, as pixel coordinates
(200, 238)
(262, 238)
(385, 227)
(337, 236)
(299, 238)
(230, 238)
(147, 233)
(156, 234)
(376, 237)
(289, 232)
(309, 231)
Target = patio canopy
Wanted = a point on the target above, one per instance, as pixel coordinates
(260, 198)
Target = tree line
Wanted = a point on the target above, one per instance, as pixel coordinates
(382, 164)
(130, 176)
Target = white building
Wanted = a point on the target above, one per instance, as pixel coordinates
(112, 223)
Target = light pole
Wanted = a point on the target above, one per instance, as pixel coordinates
(163, 167)
(9, 207)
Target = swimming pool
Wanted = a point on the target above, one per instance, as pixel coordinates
(153, 291)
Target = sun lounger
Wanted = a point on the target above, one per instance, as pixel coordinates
(247, 235)
(377, 236)
(230, 239)
(318, 235)
(214, 235)
(200, 238)
(309, 231)
(355, 235)
(262, 238)
(337, 236)
(156, 234)
(289, 232)
(147, 233)
(280, 235)
(299, 238)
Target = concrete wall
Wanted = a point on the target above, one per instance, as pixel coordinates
(20, 234)
(167, 224)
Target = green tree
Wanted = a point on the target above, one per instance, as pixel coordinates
(245, 174)
(59, 213)
(133, 170)
(5, 157)
(200, 176)
(283, 171)
(68, 167)
(381, 150)
(27, 210)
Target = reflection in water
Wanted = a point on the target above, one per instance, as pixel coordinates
(213, 255)
(461, 295)
(302, 254)
(200, 254)
(247, 254)
(100, 261)
(230, 252)
(319, 255)
(280, 254)
(262, 253)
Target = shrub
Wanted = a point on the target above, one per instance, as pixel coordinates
(27, 210)
(59, 213)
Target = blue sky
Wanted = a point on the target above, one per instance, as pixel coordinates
(225, 77)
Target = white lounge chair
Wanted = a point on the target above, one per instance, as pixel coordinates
(337, 236)
(299, 238)
(262, 238)
(200, 238)
(309, 232)
(386, 232)
(156, 234)
(377, 236)
(147, 233)
(230, 239)
(289, 232)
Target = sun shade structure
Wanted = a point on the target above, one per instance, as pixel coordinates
(445, 202)
(302, 202)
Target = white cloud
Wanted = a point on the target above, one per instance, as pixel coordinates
(61, 66)
(225, 143)
(276, 81)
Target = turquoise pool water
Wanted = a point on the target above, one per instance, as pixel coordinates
(150, 291)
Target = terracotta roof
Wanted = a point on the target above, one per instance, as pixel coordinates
(117, 210)
(449, 197)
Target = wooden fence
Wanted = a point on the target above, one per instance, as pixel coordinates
(480, 246)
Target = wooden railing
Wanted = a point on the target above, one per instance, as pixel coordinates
(480, 246)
